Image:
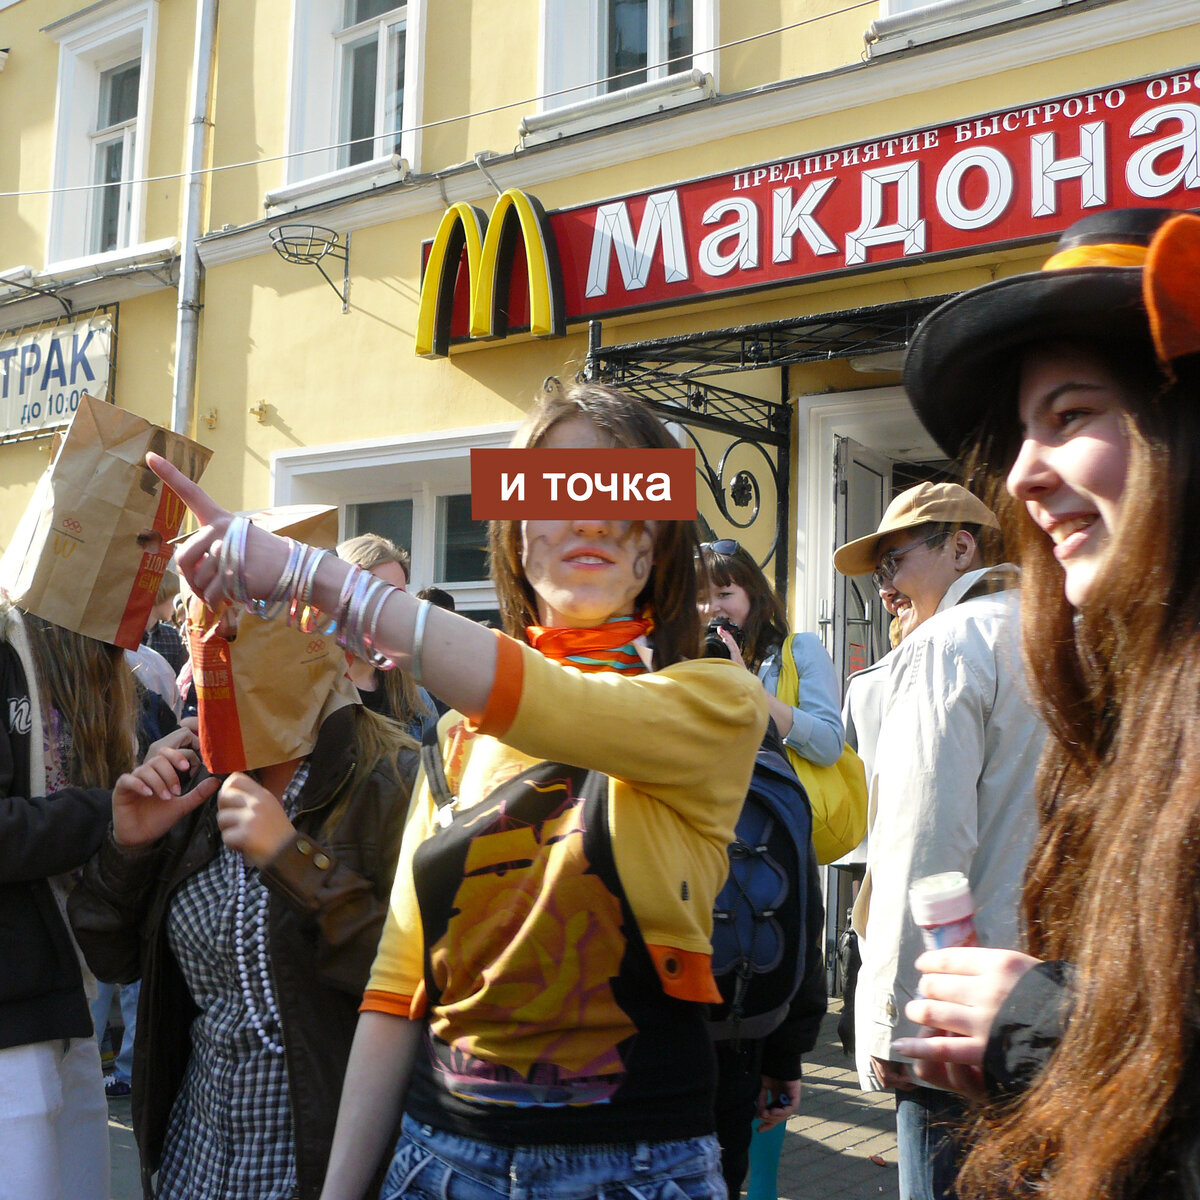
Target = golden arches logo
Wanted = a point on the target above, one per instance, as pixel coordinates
(490, 246)
(173, 508)
(64, 547)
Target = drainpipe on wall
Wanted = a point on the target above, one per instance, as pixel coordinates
(187, 327)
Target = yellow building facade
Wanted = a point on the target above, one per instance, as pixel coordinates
(753, 201)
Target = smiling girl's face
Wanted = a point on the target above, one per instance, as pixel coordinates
(584, 571)
(1074, 457)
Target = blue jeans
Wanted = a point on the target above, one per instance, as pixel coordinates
(926, 1120)
(430, 1164)
(123, 1067)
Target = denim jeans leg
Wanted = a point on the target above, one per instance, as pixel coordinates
(925, 1143)
(123, 1067)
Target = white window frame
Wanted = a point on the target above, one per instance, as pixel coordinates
(314, 91)
(417, 468)
(573, 48)
(903, 24)
(382, 28)
(89, 45)
(125, 133)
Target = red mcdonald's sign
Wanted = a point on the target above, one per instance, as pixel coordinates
(1014, 176)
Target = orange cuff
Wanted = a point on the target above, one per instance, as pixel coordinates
(412, 1007)
(685, 974)
(505, 695)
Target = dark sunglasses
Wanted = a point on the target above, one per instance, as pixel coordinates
(726, 546)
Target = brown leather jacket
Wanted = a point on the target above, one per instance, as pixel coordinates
(328, 899)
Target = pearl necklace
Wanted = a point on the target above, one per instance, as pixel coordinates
(264, 967)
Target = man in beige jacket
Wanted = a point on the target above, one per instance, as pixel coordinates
(951, 784)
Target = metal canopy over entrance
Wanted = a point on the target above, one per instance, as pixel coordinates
(677, 376)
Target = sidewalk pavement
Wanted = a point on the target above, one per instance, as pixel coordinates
(125, 1174)
(827, 1154)
(842, 1143)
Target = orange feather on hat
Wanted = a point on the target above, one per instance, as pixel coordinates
(1171, 288)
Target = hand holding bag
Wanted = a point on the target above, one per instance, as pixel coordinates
(836, 794)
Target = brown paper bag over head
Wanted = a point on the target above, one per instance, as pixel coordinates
(264, 693)
(91, 549)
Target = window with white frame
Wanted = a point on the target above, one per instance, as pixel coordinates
(114, 146)
(903, 24)
(355, 94)
(370, 62)
(105, 79)
(415, 490)
(459, 541)
(595, 47)
(644, 39)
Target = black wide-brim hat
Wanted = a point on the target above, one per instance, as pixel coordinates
(961, 360)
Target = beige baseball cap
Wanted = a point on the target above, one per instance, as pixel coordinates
(943, 503)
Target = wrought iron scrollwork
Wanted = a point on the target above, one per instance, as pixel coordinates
(742, 491)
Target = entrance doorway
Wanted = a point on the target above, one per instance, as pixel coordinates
(862, 449)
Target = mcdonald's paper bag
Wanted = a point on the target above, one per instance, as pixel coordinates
(264, 693)
(91, 549)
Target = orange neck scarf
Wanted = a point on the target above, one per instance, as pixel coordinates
(607, 647)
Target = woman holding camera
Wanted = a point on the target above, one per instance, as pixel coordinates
(739, 591)
(536, 1010)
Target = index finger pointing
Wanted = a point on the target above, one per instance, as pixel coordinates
(206, 509)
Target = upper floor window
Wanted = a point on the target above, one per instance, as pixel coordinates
(113, 154)
(105, 78)
(371, 89)
(902, 24)
(644, 39)
(594, 47)
(355, 99)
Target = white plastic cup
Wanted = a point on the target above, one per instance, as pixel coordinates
(943, 907)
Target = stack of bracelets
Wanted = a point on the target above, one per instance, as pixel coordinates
(355, 618)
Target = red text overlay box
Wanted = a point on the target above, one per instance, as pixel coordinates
(546, 485)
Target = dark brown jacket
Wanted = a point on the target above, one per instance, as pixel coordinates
(328, 898)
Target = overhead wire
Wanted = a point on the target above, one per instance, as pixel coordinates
(396, 134)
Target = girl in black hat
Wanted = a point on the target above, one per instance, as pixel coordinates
(1090, 1044)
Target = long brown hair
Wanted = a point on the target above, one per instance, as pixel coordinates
(89, 684)
(371, 550)
(767, 624)
(670, 592)
(1114, 877)
(376, 739)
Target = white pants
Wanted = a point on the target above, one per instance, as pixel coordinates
(53, 1122)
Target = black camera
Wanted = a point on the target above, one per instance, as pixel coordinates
(714, 647)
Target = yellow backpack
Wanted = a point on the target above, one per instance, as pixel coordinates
(837, 794)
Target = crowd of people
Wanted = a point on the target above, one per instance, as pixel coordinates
(442, 926)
